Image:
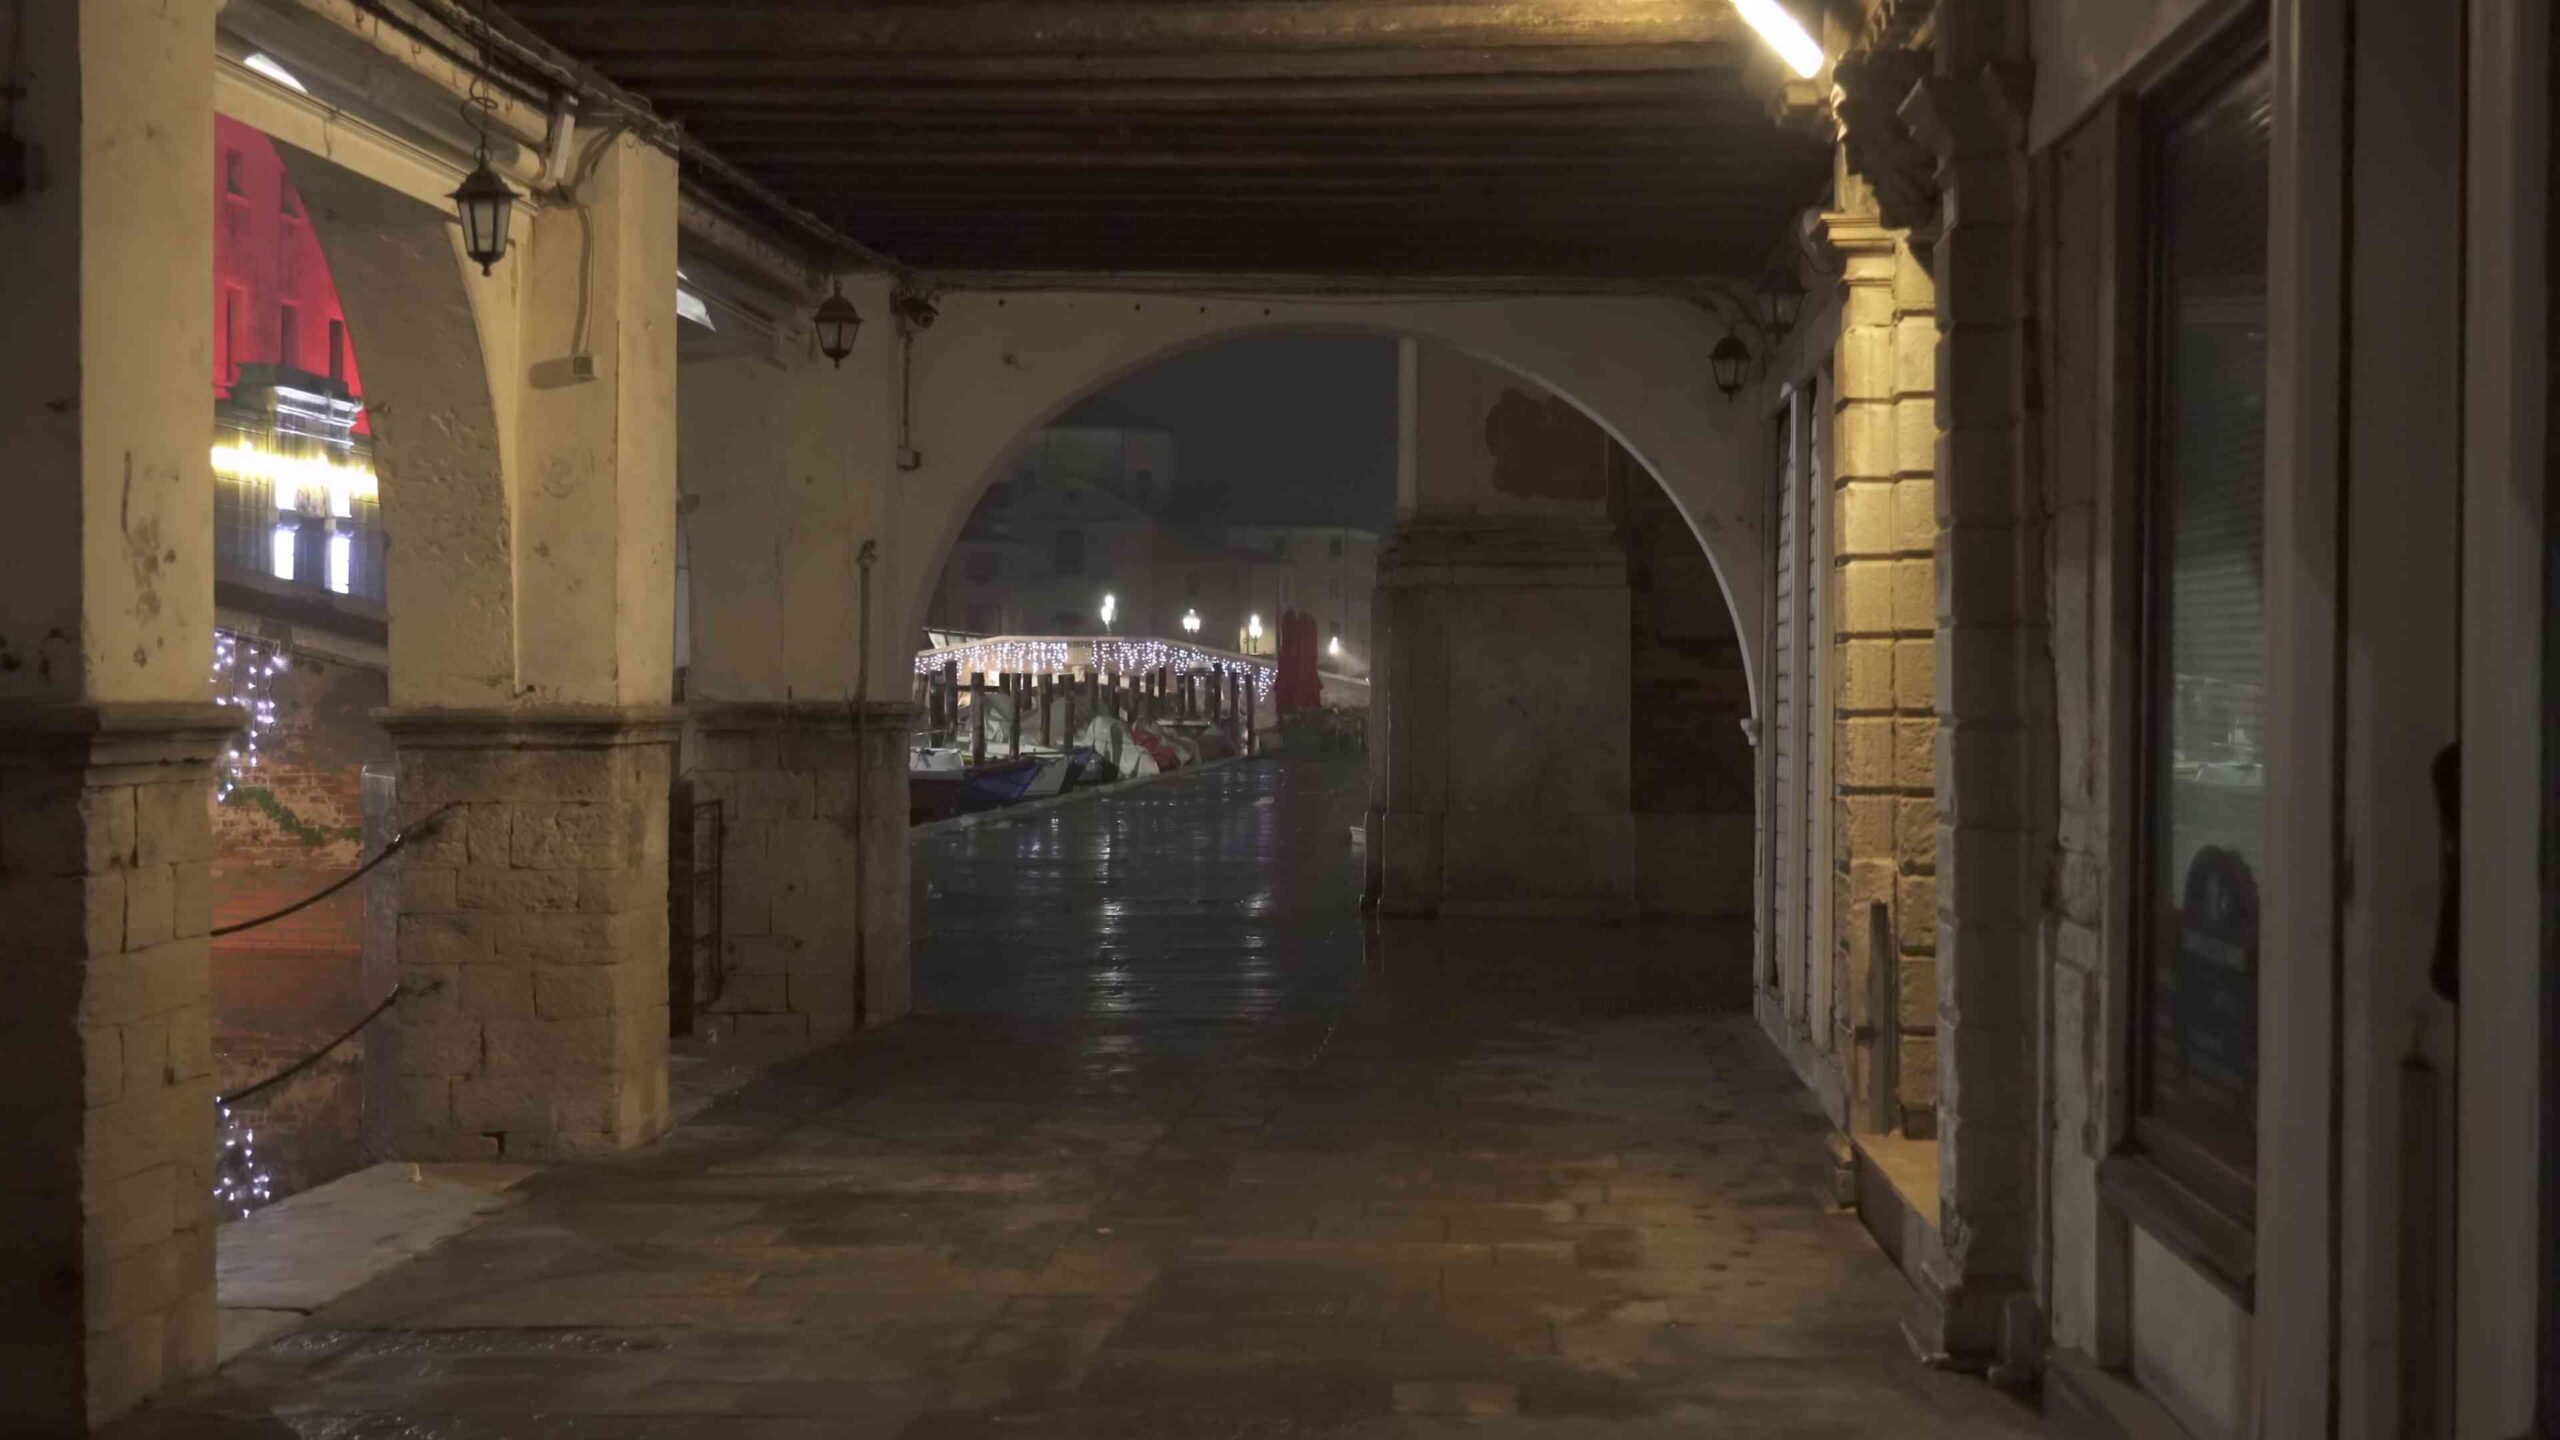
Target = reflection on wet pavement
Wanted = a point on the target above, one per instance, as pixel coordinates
(1177, 1146)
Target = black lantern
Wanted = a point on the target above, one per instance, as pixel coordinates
(1730, 359)
(1781, 301)
(483, 200)
(838, 322)
(485, 205)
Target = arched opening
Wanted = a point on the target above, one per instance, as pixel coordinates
(319, 459)
(1548, 679)
(300, 651)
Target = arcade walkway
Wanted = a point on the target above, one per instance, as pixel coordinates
(1176, 1149)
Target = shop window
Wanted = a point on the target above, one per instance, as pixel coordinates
(2201, 786)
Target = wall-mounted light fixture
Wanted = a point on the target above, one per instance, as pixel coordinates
(483, 200)
(1731, 361)
(1110, 607)
(1781, 301)
(1784, 34)
(1190, 622)
(838, 323)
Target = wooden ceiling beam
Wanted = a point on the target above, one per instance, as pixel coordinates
(646, 34)
(717, 79)
(1240, 96)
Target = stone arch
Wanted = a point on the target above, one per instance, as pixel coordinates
(437, 434)
(998, 366)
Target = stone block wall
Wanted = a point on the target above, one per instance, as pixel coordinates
(531, 929)
(106, 1059)
(1883, 528)
(1505, 740)
(785, 777)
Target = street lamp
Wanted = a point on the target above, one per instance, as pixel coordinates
(1335, 648)
(1110, 607)
(1190, 622)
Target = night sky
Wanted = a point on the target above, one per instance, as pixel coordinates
(1286, 429)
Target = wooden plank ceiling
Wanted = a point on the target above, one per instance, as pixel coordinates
(1591, 138)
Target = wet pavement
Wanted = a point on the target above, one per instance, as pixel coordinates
(1177, 1147)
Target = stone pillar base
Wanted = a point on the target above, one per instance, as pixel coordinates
(1506, 693)
(106, 1057)
(1958, 1322)
(532, 929)
(813, 800)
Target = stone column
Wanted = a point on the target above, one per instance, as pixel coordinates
(106, 725)
(813, 865)
(786, 487)
(1504, 685)
(532, 932)
(1994, 685)
(1883, 537)
(107, 1062)
(531, 926)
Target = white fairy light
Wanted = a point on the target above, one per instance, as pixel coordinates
(1108, 654)
(239, 1182)
(241, 677)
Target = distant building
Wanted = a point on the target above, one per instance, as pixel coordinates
(1096, 508)
(1075, 518)
(1330, 573)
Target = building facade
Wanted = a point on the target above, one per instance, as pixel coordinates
(1075, 520)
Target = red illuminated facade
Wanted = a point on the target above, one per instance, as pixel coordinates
(294, 497)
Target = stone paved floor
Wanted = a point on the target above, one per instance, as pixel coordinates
(1176, 1148)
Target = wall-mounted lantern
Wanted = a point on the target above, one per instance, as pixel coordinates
(1110, 607)
(1190, 622)
(1781, 301)
(486, 204)
(838, 323)
(483, 200)
(1730, 360)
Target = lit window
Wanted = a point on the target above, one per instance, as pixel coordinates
(342, 549)
(281, 548)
